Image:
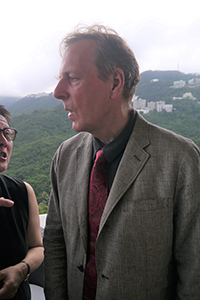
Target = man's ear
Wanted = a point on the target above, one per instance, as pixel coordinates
(118, 83)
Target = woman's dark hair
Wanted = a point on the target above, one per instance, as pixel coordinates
(5, 113)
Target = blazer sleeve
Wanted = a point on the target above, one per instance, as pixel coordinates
(187, 226)
(55, 253)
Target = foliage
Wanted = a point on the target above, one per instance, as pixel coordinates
(42, 131)
(30, 103)
(43, 205)
(39, 135)
(8, 101)
(184, 120)
(162, 90)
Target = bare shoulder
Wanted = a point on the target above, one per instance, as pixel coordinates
(29, 187)
(31, 197)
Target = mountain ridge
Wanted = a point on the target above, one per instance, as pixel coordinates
(162, 90)
(148, 88)
(42, 131)
(33, 102)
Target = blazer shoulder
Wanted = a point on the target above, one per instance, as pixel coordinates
(75, 141)
(170, 137)
(68, 149)
(163, 138)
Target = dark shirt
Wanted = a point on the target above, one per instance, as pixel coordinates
(13, 228)
(115, 149)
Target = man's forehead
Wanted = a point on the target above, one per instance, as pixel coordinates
(80, 49)
(82, 44)
(78, 53)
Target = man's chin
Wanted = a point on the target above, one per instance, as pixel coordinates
(76, 128)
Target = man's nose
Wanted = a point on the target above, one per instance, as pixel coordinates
(61, 91)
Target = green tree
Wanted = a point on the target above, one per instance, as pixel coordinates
(43, 205)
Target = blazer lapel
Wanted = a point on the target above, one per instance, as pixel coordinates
(83, 166)
(132, 163)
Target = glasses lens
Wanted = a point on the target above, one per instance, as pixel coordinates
(9, 134)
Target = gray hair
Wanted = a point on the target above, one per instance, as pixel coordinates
(111, 52)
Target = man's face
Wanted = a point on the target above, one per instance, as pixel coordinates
(85, 96)
(5, 146)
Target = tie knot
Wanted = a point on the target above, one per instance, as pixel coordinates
(100, 157)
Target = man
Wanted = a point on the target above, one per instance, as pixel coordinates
(148, 240)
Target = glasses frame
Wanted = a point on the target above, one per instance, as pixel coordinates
(4, 133)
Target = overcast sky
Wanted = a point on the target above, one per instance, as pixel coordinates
(163, 36)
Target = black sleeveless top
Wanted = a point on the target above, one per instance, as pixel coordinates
(13, 227)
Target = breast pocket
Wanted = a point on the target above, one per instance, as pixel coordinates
(152, 204)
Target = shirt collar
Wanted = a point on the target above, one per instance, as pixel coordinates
(114, 148)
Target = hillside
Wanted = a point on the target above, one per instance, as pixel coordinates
(162, 90)
(8, 101)
(41, 131)
(184, 120)
(39, 135)
(148, 88)
(33, 102)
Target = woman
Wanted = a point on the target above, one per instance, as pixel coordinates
(21, 249)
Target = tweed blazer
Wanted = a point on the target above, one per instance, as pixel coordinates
(148, 245)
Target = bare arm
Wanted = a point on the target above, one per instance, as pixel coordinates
(35, 254)
(12, 277)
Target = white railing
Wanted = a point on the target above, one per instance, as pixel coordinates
(43, 220)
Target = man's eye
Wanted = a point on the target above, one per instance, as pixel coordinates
(72, 78)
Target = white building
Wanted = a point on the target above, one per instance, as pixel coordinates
(191, 81)
(154, 80)
(151, 105)
(194, 81)
(179, 84)
(168, 107)
(189, 95)
(177, 98)
(139, 104)
(159, 105)
(145, 111)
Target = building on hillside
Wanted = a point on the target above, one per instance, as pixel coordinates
(151, 105)
(189, 95)
(177, 98)
(191, 81)
(168, 107)
(194, 81)
(154, 80)
(159, 105)
(141, 106)
(145, 110)
(179, 84)
(139, 103)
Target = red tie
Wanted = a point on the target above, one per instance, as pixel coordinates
(98, 192)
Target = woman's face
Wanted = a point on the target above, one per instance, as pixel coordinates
(5, 146)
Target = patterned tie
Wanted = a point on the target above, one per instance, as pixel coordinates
(98, 192)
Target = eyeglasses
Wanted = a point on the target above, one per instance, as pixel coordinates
(9, 133)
